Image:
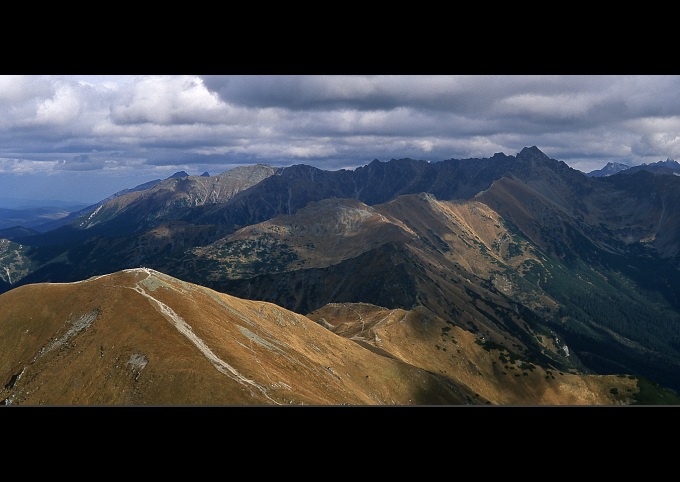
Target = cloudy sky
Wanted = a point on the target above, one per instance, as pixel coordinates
(83, 138)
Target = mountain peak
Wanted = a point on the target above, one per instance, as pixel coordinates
(532, 153)
(179, 174)
(609, 169)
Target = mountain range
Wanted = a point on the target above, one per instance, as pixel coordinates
(669, 166)
(509, 280)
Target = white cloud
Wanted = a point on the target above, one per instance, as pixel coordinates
(168, 99)
(63, 108)
(143, 123)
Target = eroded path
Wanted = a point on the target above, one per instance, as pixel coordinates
(185, 329)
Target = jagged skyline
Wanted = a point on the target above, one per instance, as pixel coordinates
(105, 133)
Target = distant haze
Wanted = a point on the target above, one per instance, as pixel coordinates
(79, 188)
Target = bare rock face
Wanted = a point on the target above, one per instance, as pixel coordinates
(168, 199)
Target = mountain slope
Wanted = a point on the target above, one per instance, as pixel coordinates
(494, 373)
(152, 204)
(563, 270)
(140, 337)
(468, 264)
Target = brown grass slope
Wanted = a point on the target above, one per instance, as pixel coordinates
(423, 339)
(140, 337)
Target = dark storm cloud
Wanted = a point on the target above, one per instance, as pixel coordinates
(155, 125)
